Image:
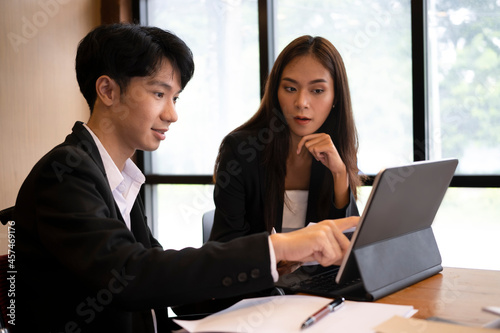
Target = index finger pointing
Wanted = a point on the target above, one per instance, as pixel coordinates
(347, 222)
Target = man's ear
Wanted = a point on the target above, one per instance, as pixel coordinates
(107, 90)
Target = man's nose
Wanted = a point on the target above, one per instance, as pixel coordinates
(169, 113)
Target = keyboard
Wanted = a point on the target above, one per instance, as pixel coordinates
(324, 283)
(320, 281)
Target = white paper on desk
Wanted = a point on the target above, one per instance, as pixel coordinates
(287, 313)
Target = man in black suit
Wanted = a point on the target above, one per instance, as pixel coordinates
(85, 257)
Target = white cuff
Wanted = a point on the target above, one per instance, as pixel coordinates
(274, 270)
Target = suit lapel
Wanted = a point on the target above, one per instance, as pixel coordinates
(138, 224)
(82, 138)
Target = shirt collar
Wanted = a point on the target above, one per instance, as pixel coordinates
(115, 177)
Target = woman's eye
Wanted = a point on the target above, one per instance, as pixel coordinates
(159, 94)
(176, 99)
(290, 89)
(318, 91)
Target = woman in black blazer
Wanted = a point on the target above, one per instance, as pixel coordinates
(302, 139)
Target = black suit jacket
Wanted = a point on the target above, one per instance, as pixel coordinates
(240, 191)
(80, 269)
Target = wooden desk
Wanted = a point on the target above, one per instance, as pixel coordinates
(456, 294)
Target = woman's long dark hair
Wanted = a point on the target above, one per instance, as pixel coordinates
(339, 125)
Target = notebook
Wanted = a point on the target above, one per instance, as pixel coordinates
(393, 245)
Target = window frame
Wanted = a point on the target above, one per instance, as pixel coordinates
(420, 105)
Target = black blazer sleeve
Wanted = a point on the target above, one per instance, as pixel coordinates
(238, 192)
(318, 174)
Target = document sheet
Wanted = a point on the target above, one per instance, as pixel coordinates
(287, 313)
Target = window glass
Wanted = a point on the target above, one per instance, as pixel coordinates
(224, 91)
(374, 39)
(464, 89)
(179, 211)
(466, 226)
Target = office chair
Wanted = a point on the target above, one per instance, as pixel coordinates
(6, 215)
(207, 222)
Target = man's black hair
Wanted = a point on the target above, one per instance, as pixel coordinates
(123, 51)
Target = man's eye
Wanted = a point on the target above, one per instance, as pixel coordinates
(176, 99)
(159, 94)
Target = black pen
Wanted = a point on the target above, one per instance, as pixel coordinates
(330, 307)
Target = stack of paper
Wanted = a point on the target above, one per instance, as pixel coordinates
(287, 313)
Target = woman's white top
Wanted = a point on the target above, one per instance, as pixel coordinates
(294, 210)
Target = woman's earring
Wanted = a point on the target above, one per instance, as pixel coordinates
(333, 106)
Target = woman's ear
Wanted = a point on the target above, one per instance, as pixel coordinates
(107, 90)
